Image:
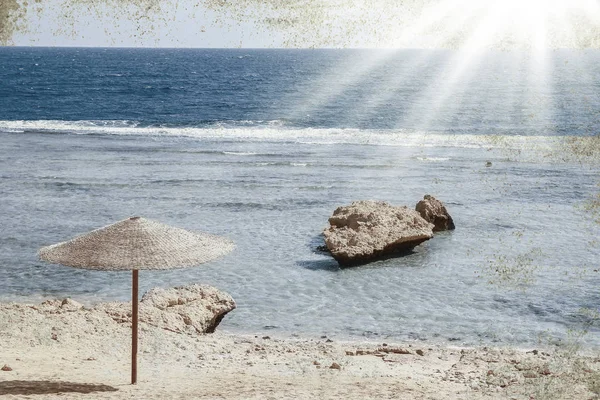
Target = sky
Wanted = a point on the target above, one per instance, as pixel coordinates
(176, 28)
(309, 23)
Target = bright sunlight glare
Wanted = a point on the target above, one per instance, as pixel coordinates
(472, 27)
(515, 23)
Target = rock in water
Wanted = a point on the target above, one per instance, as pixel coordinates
(434, 211)
(186, 309)
(367, 230)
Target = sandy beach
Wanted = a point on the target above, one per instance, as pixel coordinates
(49, 352)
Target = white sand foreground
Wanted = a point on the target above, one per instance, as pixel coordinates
(52, 354)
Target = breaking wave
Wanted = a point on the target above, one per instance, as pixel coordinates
(269, 131)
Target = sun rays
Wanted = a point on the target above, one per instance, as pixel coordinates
(475, 29)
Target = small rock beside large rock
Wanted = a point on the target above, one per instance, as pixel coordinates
(434, 211)
(367, 230)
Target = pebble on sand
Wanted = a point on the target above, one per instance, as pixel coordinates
(335, 366)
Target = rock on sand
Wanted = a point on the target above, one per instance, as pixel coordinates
(186, 309)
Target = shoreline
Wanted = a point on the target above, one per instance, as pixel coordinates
(65, 354)
(552, 343)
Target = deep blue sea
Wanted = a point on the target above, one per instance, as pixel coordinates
(262, 145)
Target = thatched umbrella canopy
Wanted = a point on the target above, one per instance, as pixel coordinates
(133, 244)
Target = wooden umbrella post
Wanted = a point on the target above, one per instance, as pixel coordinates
(134, 326)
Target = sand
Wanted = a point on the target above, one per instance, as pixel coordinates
(86, 354)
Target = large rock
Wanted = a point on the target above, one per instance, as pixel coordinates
(434, 211)
(187, 309)
(198, 308)
(367, 230)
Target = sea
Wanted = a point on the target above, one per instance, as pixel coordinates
(262, 145)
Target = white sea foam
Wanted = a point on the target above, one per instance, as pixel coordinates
(433, 159)
(239, 153)
(270, 133)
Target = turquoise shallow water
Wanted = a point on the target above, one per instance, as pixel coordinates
(75, 156)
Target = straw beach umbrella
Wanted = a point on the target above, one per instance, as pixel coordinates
(133, 244)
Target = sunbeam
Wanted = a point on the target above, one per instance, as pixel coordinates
(533, 26)
(331, 85)
(387, 89)
(458, 72)
(334, 82)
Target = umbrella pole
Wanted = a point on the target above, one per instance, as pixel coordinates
(134, 326)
